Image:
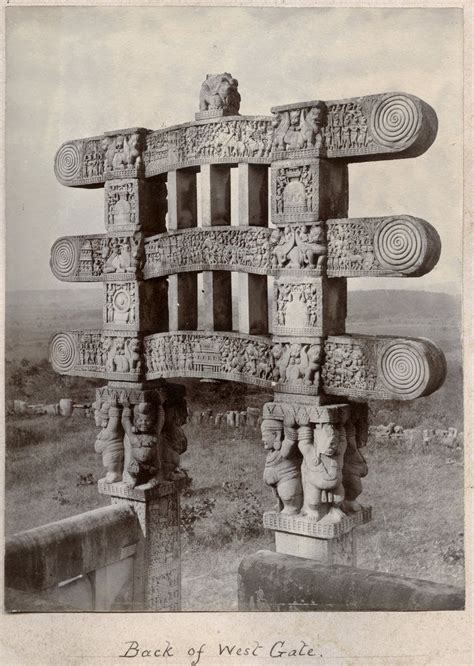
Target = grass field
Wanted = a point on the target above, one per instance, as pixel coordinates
(416, 496)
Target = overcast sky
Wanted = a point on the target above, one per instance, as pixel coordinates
(76, 72)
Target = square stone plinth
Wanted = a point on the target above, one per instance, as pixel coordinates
(332, 543)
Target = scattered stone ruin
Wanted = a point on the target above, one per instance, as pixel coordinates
(148, 261)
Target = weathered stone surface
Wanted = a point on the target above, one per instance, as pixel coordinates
(339, 550)
(277, 582)
(42, 557)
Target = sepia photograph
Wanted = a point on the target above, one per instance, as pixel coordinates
(233, 332)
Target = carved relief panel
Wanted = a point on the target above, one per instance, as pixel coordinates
(298, 130)
(121, 307)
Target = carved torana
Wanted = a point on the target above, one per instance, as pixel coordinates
(292, 342)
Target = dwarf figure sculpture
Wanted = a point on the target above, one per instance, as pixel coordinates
(109, 442)
(142, 460)
(355, 467)
(282, 466)
(321, 471)
(173, 442)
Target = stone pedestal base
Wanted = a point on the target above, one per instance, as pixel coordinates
(157, 584)
(330, 551)
(331, 543)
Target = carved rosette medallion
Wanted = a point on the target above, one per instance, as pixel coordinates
(65, 258)
(68, 162)
(63, 352)
(395, 120)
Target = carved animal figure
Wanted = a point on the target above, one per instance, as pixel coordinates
(219, 91)
(121, 151)
(311, 126)
(321, 471)
(314, 356)
(282, 467)
(281, 357)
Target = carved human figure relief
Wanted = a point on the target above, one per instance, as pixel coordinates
(109, 441)
(354, 467)
(282, 467)
(321, 471)
(173, 441)
(141, 443)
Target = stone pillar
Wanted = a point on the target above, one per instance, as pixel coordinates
(182, 214)
(140, 442)
(215, 210)
(157, 583)
(253, 211)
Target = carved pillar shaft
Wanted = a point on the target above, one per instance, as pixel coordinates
(253, 211)
(216, 285)
(182, 214)
(157, 582)
(140, 442)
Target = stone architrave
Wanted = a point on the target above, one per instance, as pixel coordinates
(375, 127)
(396, 246)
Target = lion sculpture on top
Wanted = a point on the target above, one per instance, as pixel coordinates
(219, 93)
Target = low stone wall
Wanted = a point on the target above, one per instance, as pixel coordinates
(85, 562)
(395, 434)
(269, 581)
(65, 407)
